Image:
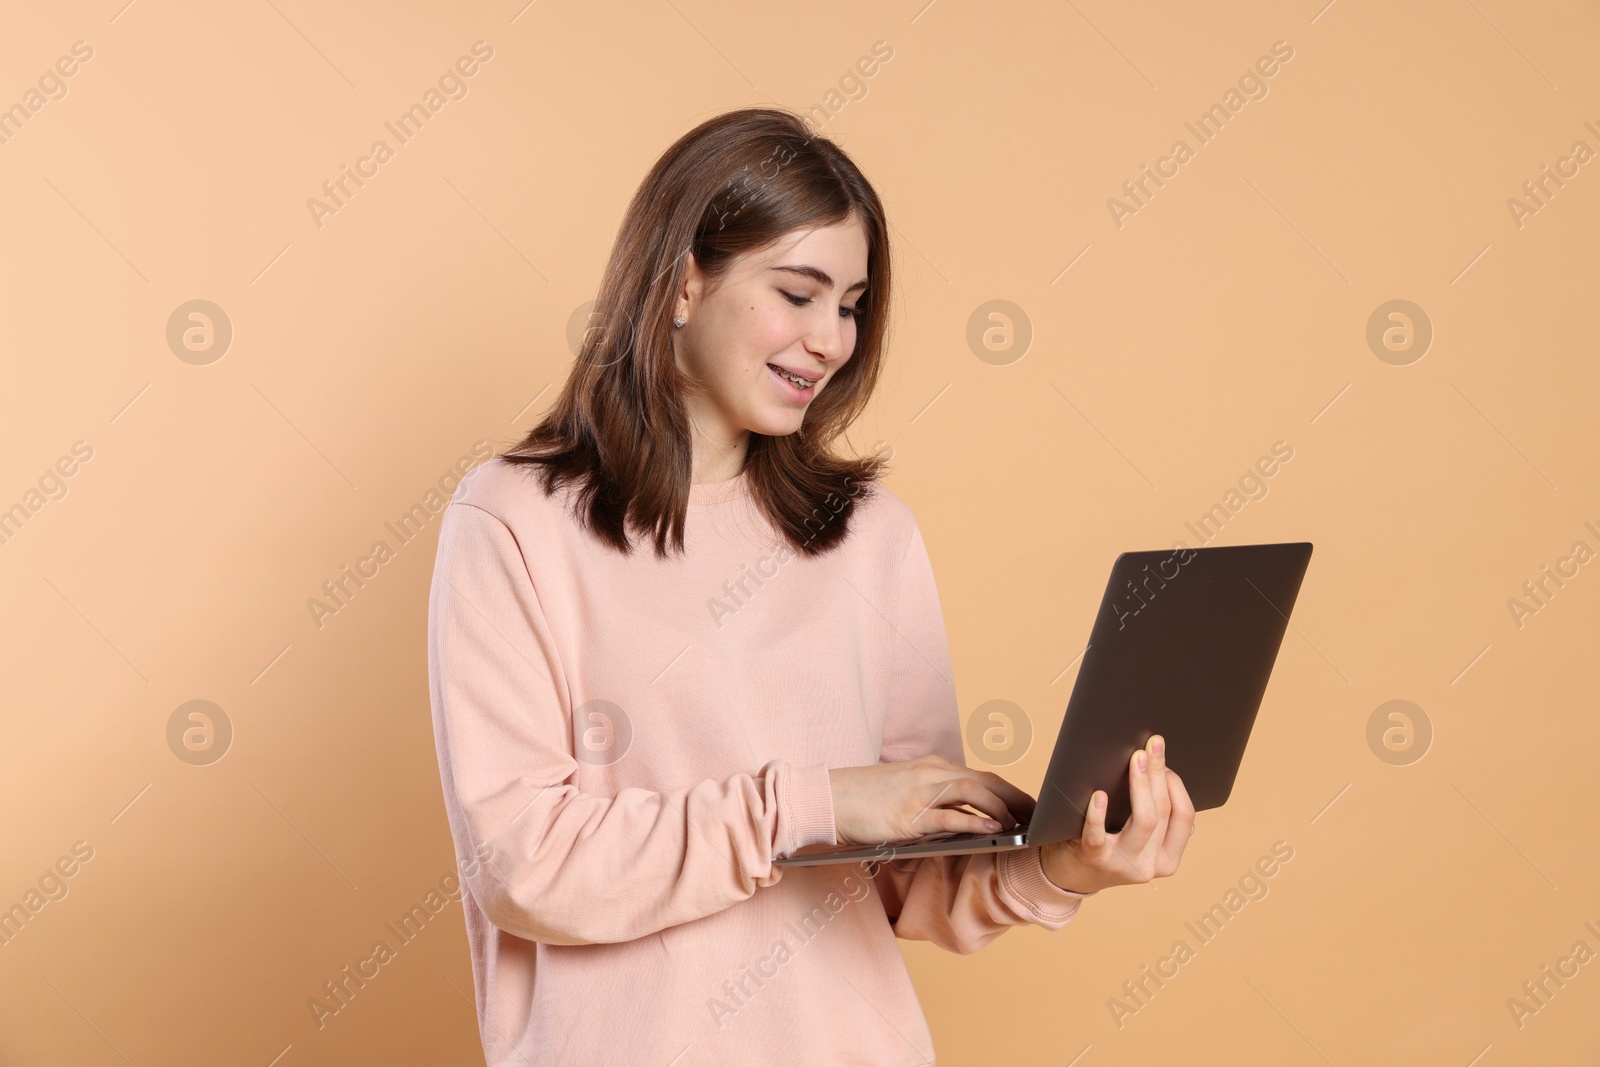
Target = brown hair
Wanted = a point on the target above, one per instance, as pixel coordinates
(732, 185)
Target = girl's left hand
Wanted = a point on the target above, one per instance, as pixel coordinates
(1147, 847)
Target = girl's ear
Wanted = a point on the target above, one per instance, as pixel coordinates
(694, 287)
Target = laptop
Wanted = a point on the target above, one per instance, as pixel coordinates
(1183, 647)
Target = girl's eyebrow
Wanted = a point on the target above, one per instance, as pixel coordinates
(818, 275)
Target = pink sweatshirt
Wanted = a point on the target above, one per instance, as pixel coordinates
(626, 744)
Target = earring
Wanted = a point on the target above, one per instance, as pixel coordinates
(679, 321)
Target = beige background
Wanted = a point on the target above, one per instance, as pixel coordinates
(432, 311)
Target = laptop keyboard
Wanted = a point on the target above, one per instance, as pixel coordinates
(940, 839)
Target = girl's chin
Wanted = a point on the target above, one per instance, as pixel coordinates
(777, 425)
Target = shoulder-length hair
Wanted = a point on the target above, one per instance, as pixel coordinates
(619, 430)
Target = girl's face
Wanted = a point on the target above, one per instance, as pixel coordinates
(791, 306)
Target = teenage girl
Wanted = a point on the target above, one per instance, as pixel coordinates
(673, 636)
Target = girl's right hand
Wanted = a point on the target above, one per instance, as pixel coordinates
(893, 803)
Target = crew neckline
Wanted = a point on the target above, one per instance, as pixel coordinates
(721, 492)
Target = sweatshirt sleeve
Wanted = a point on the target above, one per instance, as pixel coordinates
(557, 865)
(959, 903)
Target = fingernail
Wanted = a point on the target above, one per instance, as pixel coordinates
(1144, 761)
(991, 824)
(1159, 748)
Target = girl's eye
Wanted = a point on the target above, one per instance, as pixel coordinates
(801, 300)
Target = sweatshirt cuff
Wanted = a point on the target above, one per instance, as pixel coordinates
(809, 800)
(1022, 877)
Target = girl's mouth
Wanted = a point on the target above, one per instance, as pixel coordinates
(795, 388)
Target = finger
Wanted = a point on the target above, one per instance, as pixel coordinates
(953, 820)
(973, 793)
(1094, 823)
(1157, 748)
(1141, 825)
(957, 791)
(1019, 803)
(1180, 826)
